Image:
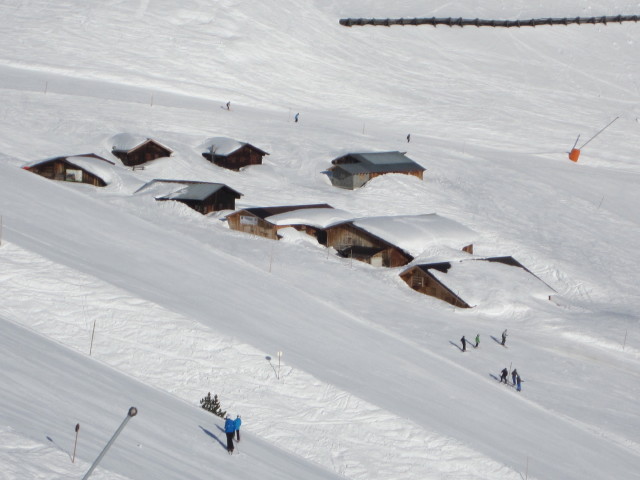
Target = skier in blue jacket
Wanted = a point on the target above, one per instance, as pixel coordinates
(238, 422)
(229, 429)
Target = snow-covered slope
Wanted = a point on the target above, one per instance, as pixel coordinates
(372, 383)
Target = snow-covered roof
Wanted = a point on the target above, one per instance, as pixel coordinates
(484, 282)
(416, 233)
(377, 162)
(224, 146)
(314, 217)
(264, 212)
(98, 166)
(196, 191)
(125, 142)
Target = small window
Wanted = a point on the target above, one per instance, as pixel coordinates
(73, 175)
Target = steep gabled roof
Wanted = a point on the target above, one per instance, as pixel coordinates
(127, 143)
(376, 162)
(224, 146)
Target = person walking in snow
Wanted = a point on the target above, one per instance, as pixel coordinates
(408, 137)
(477, 341)
(238, 422)
(229, 429)
(228, 105)
(464, 343)
(514, 374)
(504, 336)
(296, 117)
(503, 377)
(519, 387)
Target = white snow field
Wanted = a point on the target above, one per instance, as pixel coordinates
(110, 299)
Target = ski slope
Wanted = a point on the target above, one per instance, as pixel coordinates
(372, 383)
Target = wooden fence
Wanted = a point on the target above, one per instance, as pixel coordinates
(478, 22)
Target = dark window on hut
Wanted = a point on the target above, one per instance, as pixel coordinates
(72, 175)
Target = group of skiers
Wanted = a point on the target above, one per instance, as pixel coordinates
(515, 378)
(232, 427)
(517, 382)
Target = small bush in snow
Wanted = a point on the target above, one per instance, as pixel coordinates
(212, 405)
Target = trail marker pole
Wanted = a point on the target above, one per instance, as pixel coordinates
(0, 230)
(130, 414)
(279, 357)
(46, 87)
(526, 472)
(75, 443)
(151, 105)
(625, 339)
(93, 332)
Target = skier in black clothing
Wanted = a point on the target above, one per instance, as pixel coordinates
(514, 374)
(504, 336)
(503, 377)
(464, 343)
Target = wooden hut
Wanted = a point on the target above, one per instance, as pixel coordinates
(203, 197)
(133, 150)
(353, 170)
(393, 241)
(232, 154)
(256, 221)
(466, 283)
(88, 168)
(355, 242)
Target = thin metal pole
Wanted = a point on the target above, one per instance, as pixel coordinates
(576, 142)
(585, 144)
(73, 459)
(625, 339)
(131, 413)
(93, 332)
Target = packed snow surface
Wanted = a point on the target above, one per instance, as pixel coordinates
(339, 369)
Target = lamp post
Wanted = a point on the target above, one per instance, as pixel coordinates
(131, 413)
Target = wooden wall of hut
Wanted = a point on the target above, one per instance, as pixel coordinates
(348, 235)
(243, 157)
(425, 283)
(248, 223)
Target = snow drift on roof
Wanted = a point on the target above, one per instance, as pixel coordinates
(415, 233)
(314, 217)
(126, 141)
(221, 145)
(491, 284)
